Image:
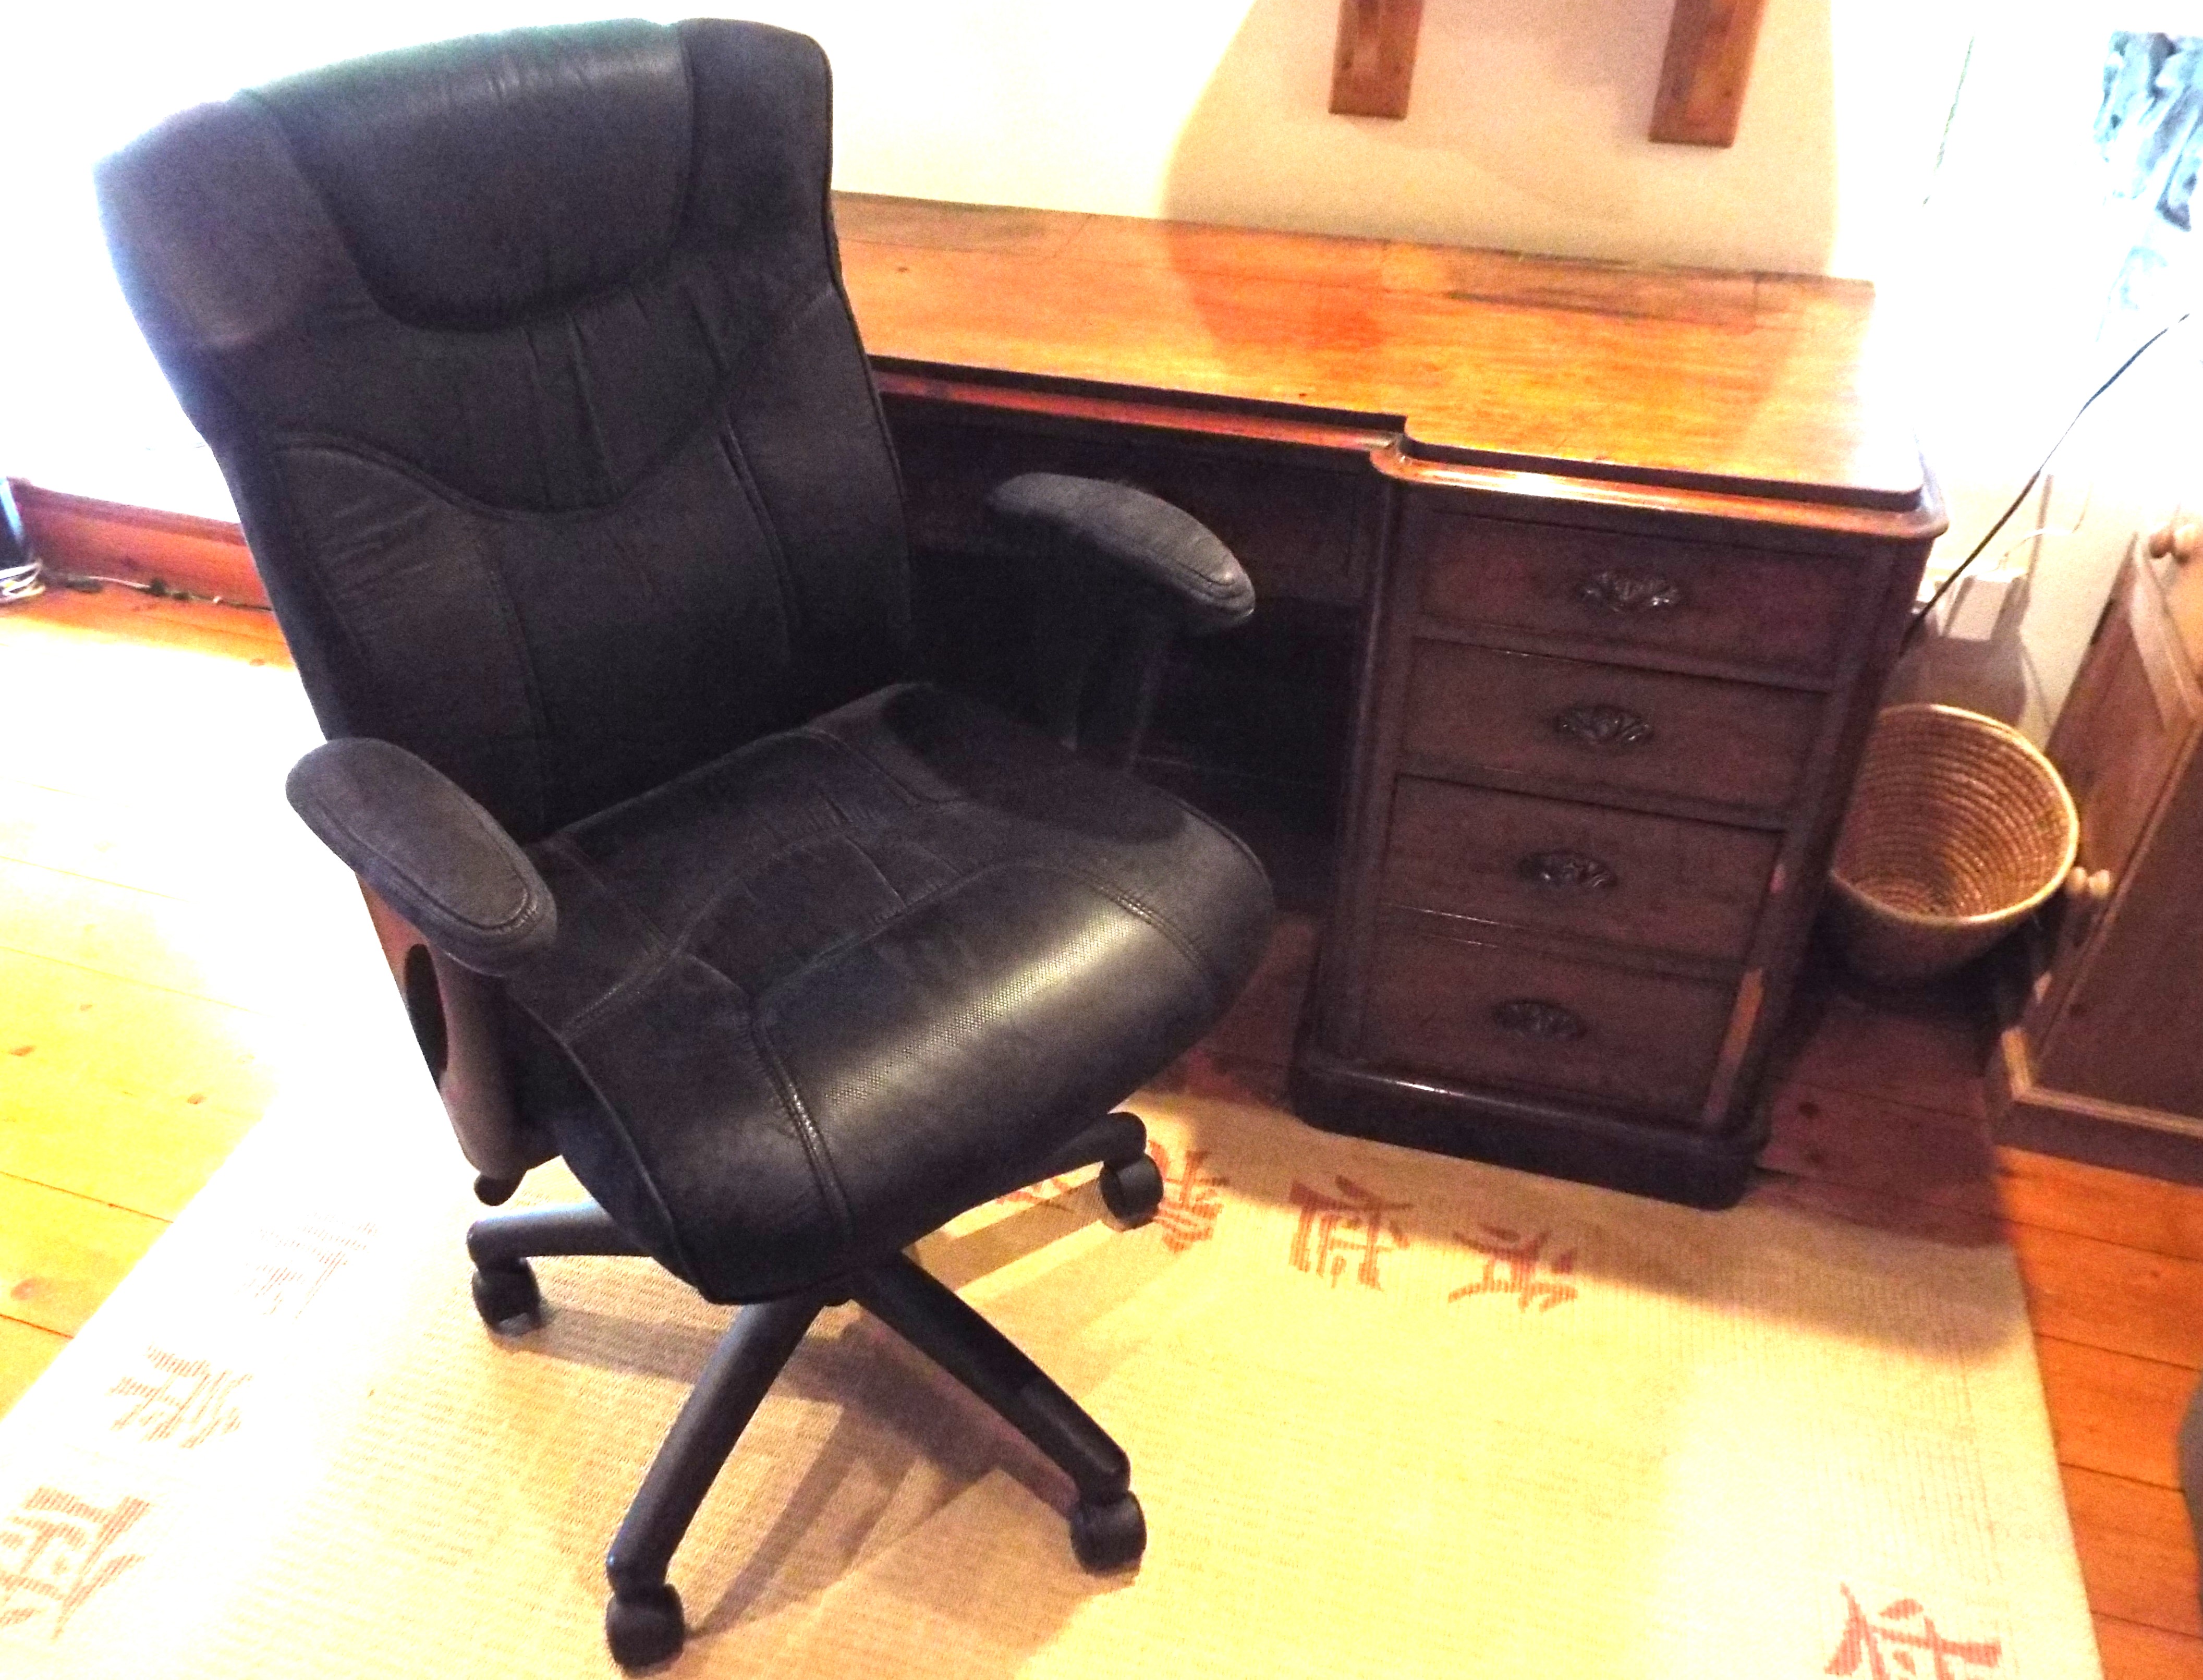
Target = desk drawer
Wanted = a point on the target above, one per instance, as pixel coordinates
(1492, 1015)
(1601, 727)
(1553, 865)
(1785, 612)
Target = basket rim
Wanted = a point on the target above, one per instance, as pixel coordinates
(2014, 912)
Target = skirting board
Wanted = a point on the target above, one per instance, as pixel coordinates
(83, 534)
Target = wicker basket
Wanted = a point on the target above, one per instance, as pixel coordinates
(1959, 828)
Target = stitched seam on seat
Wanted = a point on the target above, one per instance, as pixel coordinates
(1146, 912)
(730, 448)
(726, 890)
(626, 1140)
(539, 720)
(1048, 773)
(1210, 824)
(811, 731)
(872, 930)
(718, 897)
(823, 1174)
(660, 953)
(683, 202)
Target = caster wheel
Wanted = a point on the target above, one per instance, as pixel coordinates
(494, 1193)
(508, 1300)
(1108, 1536)
(645, 1629)
(1132, 1189)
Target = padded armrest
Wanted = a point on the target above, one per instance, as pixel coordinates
(1134, 532)
(443, 862)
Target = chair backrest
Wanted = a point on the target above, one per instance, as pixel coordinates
(528, 362)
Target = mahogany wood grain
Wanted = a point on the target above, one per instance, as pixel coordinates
(1871, 1142)
(85, 534)
(2132, 1652)
(1924, 1047)
(1632, 291)
(1373, 65)
(2056, 1194)
(2114, 1413)
(1629, 1037)
(1598, 728)
(1622, 593)
(1706, 69)
(1574, 371)
(2137, 1551)
(2101, 1292)
(1562, 866)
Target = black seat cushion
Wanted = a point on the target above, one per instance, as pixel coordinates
(838, 986)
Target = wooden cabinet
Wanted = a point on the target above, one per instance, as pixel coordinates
(2103, 1056)
(1602, 769)
(1579, 583)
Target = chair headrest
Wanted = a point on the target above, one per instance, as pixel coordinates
(480, 179)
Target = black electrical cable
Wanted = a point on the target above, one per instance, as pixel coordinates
(92, 582)
(1921, 614)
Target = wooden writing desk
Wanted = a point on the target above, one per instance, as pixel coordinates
(1579, 584)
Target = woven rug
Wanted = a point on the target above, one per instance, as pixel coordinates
(1388, 1414)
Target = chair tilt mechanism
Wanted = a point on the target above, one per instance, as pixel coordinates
(529, 364)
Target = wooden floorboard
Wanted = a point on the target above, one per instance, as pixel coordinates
(143, 833)
(26, 1351)
(61, 1254)
(2136, 1552)
(2132, 1652)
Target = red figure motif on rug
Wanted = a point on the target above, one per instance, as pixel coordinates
(1351, 1226)
(1190, 1205)
(54, 1553)
(182, 1397)
(1885, 1648)
(297, 1264)
(1511, 1269)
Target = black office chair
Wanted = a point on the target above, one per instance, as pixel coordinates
(528, 360)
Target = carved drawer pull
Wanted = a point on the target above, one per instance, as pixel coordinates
(1539, 1018)
(1572, 870)
(1609, 728)
(1630, 592)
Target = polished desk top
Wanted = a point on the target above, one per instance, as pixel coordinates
(1739, 384)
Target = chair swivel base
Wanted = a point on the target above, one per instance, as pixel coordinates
(643, 1622)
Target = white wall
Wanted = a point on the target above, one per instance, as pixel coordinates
(2003, 286)
(1527, 129)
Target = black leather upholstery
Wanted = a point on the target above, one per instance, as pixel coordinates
(527, 361)
(439, 857)
(562, 495)
(1127, 532)
(909, 950)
